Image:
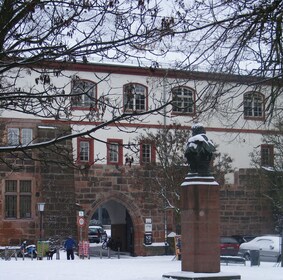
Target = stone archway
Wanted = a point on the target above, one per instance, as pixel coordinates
(126, 221)
(118, 224)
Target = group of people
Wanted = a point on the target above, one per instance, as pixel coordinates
(69, 245)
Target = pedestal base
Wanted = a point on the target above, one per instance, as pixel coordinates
(200, 225)
(201, 276)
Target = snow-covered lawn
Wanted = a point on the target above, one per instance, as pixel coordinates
(125, 268)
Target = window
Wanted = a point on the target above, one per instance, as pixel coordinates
(135, 97)
(253, 105)
(147, 153)
(115, 151)
(183, 100)
(18, 199)
(267, 155)
(85, 150)
(83, 93)
(19, 136)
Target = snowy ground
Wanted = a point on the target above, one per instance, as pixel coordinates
(125, 268)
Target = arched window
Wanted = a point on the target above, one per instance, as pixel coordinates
(135, 97)
(253, 105)
(83, 93)
(183, 100)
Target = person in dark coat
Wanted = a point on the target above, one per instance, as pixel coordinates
(70, 245)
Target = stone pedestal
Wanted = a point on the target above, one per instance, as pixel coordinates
(200, 225)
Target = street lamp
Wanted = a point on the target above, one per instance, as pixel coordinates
(40, 208)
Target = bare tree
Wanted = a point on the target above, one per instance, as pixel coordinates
(238, 37)
(38, 39)
(222, 165)
(270, 172)
(171, 167)
(234, 37)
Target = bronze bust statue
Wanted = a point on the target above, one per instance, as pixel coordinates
(199, 151)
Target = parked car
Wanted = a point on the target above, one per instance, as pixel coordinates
(243, 238)
(268, 247)
(96, 234)
(229, 246)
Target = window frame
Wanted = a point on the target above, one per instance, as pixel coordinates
(267, 159)
(182, 101)
(83, 105)
(255, 110)
(119, 143)
(137, 101)
(152, 153)
(19, 200)
(90, 159)
(19, 138)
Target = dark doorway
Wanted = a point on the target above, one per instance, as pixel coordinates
(116, 220)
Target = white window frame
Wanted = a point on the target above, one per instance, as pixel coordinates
(19, 136)
(253, 105)
(84, 93)
(84, 152)
(114, 152)
(135, 97)
(146, 153)
(183, 100)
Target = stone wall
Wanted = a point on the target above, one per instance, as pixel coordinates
(125, 185)
(52, 183)
(244, 208)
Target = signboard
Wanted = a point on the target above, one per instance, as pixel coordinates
(81, 213)
(81, 221)
(147, 238)
(148, 227)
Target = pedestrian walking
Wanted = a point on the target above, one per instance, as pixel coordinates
(70, 245)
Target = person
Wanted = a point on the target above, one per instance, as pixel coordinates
(23, 248)
(179, 248)
(69, 245)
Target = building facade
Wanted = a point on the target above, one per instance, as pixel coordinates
(106, 165)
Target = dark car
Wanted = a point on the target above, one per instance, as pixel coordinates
(229, 246)
(96, 234)
(243, 238)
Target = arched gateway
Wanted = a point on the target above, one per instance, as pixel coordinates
(125, 219)
(130, 205)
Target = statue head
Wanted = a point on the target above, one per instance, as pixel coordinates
(198, 129)
(199, 151)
